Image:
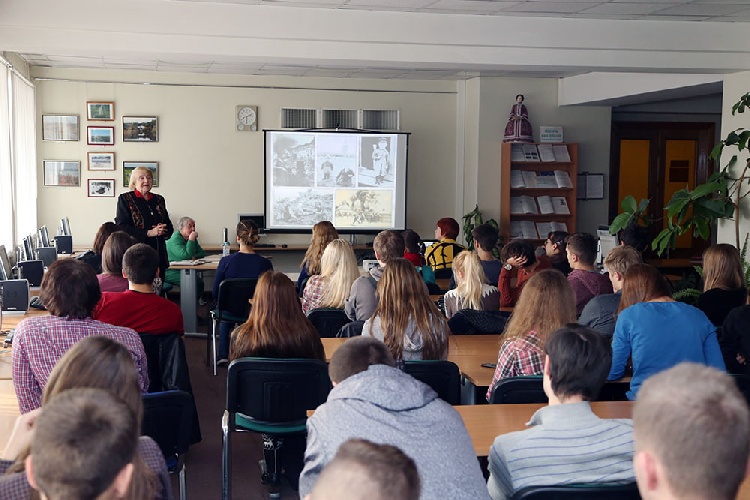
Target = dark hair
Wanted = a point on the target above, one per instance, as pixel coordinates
(583, 246)
(642, 283)
(449, 227)
(356, 355)
(412, 241)
(101, 236)
(579, 359)
(70, 289)
(248, 232)
(520, 248)
(559, 238)
(82, 440)
(486, 236)
(114, 249)
(634, 235)
(521, 95)
(140, 263)
(388, 245)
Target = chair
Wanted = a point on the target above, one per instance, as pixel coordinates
(614, 391)
(743, 385)
(519, 390)
(442, 376)
(327, 320)
(232, 305)
(168, 420)
(628, 491)
(270, 397)
(351, 329)
(471, 322)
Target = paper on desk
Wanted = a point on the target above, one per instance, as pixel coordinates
(187, 262)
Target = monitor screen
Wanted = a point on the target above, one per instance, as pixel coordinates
(6, 273)
(43, 236)
(28, 249)
(64, 228)
(260, 220)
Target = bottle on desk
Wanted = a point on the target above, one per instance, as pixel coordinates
(225, 245)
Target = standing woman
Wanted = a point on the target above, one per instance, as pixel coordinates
(406, 320)
(338, 270)
(144, 215)
(322, 234)
(472, 290)
(546, 304)
(723, 282)
(658, 332)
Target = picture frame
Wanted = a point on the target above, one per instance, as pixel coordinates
(101, 188)
(101, 160)
(140, 129)
(60, 128)
(129, 166)
(100, 136)
(66, 173)
(103, 111)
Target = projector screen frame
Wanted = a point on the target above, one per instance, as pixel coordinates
(402, 171)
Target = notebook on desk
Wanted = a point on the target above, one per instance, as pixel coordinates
(197, 262)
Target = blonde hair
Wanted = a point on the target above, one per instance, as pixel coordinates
(469, 276)
(247, 232)
(338, 267)
(322, 234)
(546, 304)
(138, 171)
(622, 258)
(722, 268)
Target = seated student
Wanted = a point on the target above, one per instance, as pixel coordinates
(70, 293)
(413, 253)
(735, 340)
(585, 278)
(472, 291)
(567, 443)
(657, 332)
(338, 270)
(723, 282)
(372, 399)
(93, 257)
(518, 255)
(363, 301)
(601, 311)
(322, 234)
(634, 235)
(139, 307)
(406, 319)
(692, 435)
(362, 470)
(439, 256)
(183, 245)
(545, 305)
(111, 278)
(485, 240)
(554, 249)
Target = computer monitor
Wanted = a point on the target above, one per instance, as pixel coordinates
(260, 221)
(28, 248)
(43, 237)
(64, 228)
(606, 243)
(5, 261)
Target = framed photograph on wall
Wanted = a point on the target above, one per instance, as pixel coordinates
(62, 173)
(100, 136)
(60, 128)
(100, 111)
(101, 188)
(129, 166)
(101, 161)
(140, 129)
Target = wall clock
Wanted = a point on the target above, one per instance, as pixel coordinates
(246, 118)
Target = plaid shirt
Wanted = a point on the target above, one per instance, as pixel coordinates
(313, 293)
(518, 357)
(40, 341)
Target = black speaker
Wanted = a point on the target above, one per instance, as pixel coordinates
(15, 295)
(64, 244)
(47, 255)
(32, 270)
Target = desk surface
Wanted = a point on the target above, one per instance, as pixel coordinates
(8, 410)
(11, 320)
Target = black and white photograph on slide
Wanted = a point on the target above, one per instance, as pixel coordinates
(364, 208)
(334, 155)
(301, 207)
(377, 168)
(294, 160)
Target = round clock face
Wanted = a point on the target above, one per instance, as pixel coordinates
(246, 116)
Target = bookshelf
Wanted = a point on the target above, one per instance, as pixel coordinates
(525, 181)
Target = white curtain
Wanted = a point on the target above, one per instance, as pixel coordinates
(24, 157)
(6, 179)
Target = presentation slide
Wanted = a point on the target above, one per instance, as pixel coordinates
(355, 180)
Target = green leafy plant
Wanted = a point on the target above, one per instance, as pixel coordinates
(473, 219)
(632, 213)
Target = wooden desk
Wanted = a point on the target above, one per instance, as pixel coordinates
(11, 320)
(458, 345)
(8, 410)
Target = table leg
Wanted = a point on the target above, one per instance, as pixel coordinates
(189, 299)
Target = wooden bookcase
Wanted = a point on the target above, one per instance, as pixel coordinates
(506, 191)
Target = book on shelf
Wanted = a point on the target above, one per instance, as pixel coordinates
(559, 205)
(561, 152)
(559, 226)
(545, 205)
(530, 153)
(524, 229)
(546, 180)
(520, 205)
(546, 153)
(544, 228)
(563, 179)
(516, 152)
(516, 179)
(529, 179)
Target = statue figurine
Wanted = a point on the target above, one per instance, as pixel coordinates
(518, 128)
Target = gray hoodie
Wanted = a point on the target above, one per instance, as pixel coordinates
(386, 405)
(363, 299)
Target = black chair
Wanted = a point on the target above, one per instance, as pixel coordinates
(743, 385)
(471, 322)
(327, 320)
(232, 305)
(270, 397)
(351, 329)
(628, 491)
(519, 390)
(168, 420)
(614, 391)
(442, 376)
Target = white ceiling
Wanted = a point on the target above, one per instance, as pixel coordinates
(405, 39)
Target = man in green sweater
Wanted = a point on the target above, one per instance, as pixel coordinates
(183, 245)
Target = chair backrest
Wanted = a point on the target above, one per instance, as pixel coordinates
(519, 390)
(443, 376)
(614, 391)
(743, 385)
(351, 329)
(168, 420)
(328, 320)
(471, 322)
(628, 491)
(276, 390)
(234, 294)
